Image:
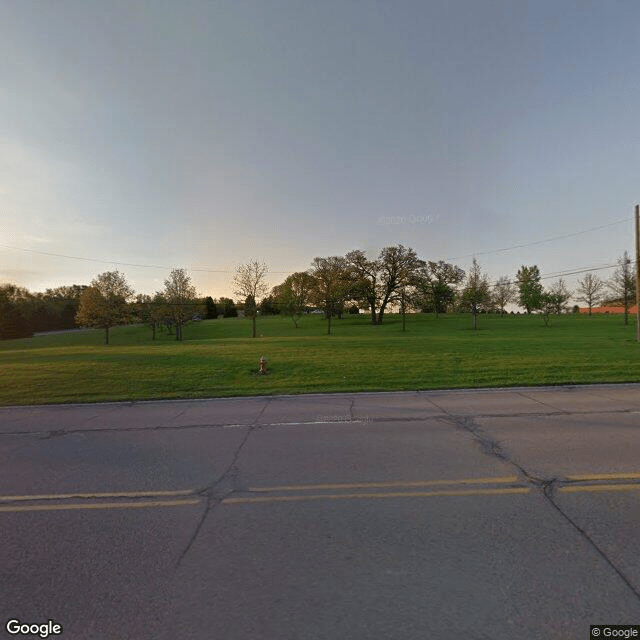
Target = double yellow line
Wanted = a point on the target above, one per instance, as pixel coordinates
(294, 493)
(506, 485)
(56, 501)
(512, 485)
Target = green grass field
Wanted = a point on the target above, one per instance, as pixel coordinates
(219, 358)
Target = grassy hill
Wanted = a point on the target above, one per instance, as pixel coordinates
(219, 358)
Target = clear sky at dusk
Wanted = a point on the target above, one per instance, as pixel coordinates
(204, 134)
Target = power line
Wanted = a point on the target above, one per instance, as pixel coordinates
(560, 274)
(207, 270)
(122, 264)
(531, 244)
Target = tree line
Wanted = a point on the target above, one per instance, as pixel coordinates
(108, 301)
(396, 278)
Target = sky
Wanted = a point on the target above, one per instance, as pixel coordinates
(201, 135)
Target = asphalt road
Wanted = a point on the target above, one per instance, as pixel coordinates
(484, 514)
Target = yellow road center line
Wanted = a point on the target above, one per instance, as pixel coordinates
(102, 505)
(600, 487)
(380, 485)
(369, 496)
(122, 494)
(606, 476)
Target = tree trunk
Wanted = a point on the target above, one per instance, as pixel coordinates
(373, 314)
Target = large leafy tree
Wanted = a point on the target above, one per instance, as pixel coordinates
(105, 303)
(398, 268)
(294, 294)
(211, 310)
(180, 299)
(436, 284)
(228, 307)
(529, 287)
(366, 275)
(331, 285)
(14, 312)
(378, 283)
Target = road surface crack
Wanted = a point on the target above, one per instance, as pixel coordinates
(547, 486)
(544, 404)
(548, 492)
(223, 487)
(488, 445)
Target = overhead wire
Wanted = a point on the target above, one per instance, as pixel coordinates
(536, 242)
(480, 253)
(119, 263)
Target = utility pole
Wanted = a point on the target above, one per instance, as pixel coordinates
(638, 273)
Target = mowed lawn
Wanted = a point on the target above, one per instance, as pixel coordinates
(219, 358)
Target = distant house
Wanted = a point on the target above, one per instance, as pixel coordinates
(633, 309)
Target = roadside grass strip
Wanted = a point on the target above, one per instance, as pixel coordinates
(218, 358)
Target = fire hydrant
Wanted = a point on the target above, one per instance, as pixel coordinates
(263, 365)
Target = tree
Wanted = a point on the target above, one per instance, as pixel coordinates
(530, 288)
(57, 308)
(211, 310)
(228, 306)
(546, 305)
(475, 295)
(14, 312)
(558, 296)
(365, 280)
(590, 289)
(398, 267)
(331, 283)
(294, 295)
(250, 282)
(180, 297)
(269, 306)
(377, 283)
(504, 292)
(104, 303)
(444, 277)
(151, 310)
(623, 284)
(435, 285)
